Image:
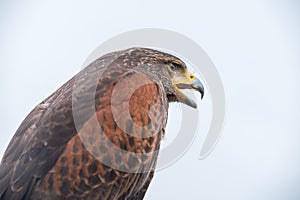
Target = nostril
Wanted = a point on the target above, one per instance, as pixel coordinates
(192, 77)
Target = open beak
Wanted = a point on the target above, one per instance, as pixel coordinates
(188, 82)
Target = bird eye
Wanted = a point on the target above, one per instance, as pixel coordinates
(172, 67)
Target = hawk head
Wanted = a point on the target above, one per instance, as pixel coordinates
(170, 70)
(180, 79)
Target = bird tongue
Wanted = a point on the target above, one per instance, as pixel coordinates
(183, 86)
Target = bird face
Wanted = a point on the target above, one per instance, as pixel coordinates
(181, 78)
(169, 69)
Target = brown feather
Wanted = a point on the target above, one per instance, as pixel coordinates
(58, 153)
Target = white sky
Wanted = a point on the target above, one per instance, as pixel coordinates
(254, 45)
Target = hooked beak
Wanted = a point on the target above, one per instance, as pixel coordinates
(197, 85)
(190, 83)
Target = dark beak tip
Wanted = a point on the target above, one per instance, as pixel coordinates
(197, 85)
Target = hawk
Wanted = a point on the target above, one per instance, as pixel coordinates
(98, 135)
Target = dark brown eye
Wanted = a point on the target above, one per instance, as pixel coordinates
(173, 67)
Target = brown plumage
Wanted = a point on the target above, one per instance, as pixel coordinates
(97, 136)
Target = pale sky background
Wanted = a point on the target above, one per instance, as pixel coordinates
(255, 46)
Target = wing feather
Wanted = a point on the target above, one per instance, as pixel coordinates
(44, 133)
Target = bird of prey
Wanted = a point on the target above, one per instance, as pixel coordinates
(98, 135)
